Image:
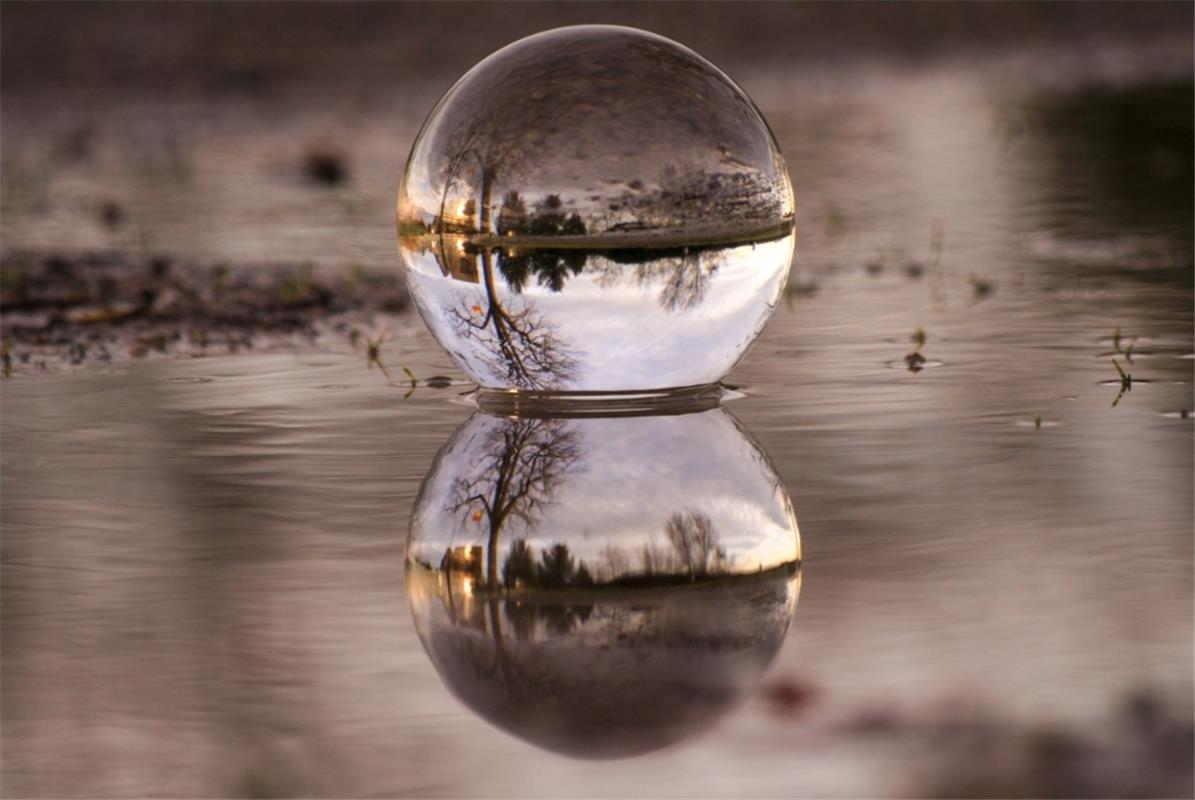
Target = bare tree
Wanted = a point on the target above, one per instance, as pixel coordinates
(615, 562)
(524, 463)
(487, 146)
(518, 342)
(683, 276)
(694, 541)
(655, 560)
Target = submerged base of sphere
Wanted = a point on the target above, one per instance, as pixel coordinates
(650, 402)
(595, 209)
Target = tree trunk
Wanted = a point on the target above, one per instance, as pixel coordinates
(487, 190)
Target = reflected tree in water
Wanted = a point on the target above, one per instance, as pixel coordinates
(556, 569)
(519, 567)
(523, 617)
(550, 267)
(695, 543)
(524, 462)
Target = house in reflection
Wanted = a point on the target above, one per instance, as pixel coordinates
(457, 260)
(462, 219)
(459, 577)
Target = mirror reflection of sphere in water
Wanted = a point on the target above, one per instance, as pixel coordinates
(602, 587)
(595, 208)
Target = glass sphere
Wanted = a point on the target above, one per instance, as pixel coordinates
(595, 208)
(602, 586)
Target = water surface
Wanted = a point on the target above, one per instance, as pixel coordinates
(203, 560)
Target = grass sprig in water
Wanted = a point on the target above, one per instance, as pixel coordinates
(914, 360)
(1126, 380)
(373, 350)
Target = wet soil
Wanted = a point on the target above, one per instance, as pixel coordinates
(59, 311)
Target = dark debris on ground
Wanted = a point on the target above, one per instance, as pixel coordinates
(63, 310)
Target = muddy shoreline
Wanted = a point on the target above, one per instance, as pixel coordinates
(60, 311)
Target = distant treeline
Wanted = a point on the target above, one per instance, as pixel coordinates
(691, 552)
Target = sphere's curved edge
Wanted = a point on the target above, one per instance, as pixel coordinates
(654, 402)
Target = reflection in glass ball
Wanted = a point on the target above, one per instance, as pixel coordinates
(595, 209)
(602, 587)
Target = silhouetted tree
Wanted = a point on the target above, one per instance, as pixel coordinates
(548, 219)
(519, 564)
(616, 562)
(523, 463)
(485, 147)
(686, 280)
(519, 344)
(692, 537)
(653, 560)
(683, 276)
(556, 567)
(550, 267)
(582, 579)
(512, 217)
(573, 226)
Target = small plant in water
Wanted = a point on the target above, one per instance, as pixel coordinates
(1037, 423)
(6, 358)
(981, 288)
(914, 360)
(373, 349)
(1126, 381)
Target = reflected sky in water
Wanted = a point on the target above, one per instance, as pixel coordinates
(599, 484)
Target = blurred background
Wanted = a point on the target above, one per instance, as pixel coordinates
(206, 487)
(198, 126)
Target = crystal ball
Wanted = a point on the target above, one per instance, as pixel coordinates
(602, 586)
(595, 209)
